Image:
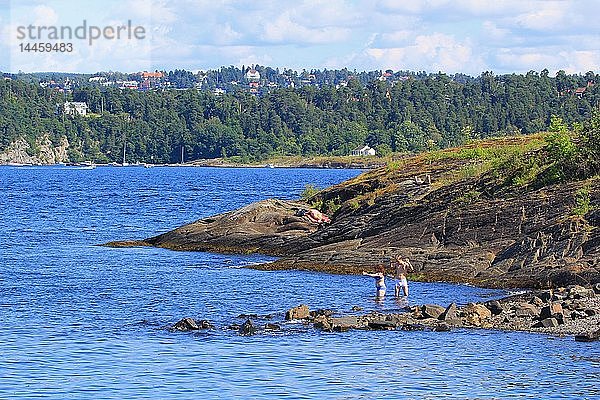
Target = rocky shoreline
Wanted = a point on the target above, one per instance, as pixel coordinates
(571, 311)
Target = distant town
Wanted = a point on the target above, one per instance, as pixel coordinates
(257, 80)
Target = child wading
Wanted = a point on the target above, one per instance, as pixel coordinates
(379, 280)
(402, 267)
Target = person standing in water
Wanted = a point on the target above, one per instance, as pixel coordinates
(402, 267)
(379, 280)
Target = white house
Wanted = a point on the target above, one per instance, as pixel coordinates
(363, 151)
(253, 75)
(75, 107)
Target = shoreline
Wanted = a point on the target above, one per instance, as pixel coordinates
(308, 163)
(571, 311)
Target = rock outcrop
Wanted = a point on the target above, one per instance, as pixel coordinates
(42, 152)
(471, 230)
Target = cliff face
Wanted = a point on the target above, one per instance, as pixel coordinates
(453, 227)
(44, 152)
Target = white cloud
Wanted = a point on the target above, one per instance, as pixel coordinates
(550, 16)
(44, 15)
(284, 29)
(435, 52)
(492, 31)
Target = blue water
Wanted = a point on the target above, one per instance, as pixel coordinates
(79, 321)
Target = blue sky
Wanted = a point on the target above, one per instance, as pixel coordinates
(469, 36)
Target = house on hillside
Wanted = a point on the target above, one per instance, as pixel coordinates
(75, 108)
(253, 75)
(363, 151)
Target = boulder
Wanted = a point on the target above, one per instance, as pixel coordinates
(537, 301)
(382, 325)
(323, 323)
(523, 310)
(186, 324)
(442, 327)
(320, 312)
(546, 323)
(247, 328)
(205, 324)
(579, 292)
(476, 314)
(553, 310)
(300, 312)
(412, 327)
(451, 312)
(588, 337)
(596, 288)
(495, 307)
(343, 324)
(431, 311)
(272, 327)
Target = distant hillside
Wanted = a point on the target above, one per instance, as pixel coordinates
(393, 112)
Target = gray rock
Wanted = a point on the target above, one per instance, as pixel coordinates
(442, 327)
(450, 313)
(343, 324)
(546, 323)
(590, 337)
(412, 327)
(523, 310)
(205, 324)
(382, 325)
(590, 312)
(300, 312)
(323, 323)
(551, 311)
(495, 307)
(340, 328)
(186, 324)
(579, 292)
(456, 322)
(537, 301)
(272, 327)
(316, 313)
(476, 314)
(431, 310)
(247, 328)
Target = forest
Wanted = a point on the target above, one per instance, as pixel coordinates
(422, 112)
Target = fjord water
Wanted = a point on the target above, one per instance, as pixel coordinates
(80, 321)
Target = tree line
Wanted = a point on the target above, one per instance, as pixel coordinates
(420, 113)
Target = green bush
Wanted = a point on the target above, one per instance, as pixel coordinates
(309, 191)
(582, 202)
